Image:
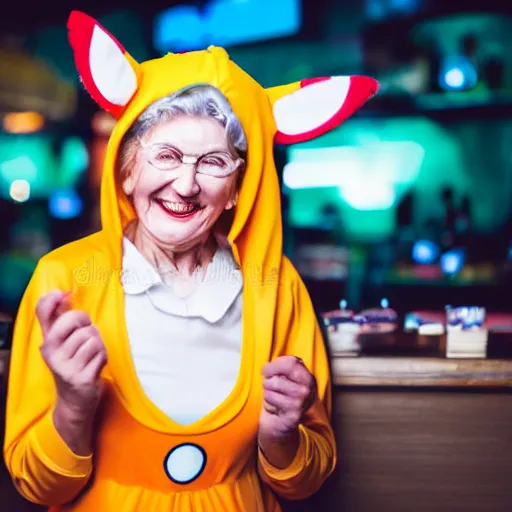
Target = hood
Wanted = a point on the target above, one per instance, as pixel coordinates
(285, 114)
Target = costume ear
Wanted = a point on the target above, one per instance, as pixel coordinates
(107, 71)
(309, 108)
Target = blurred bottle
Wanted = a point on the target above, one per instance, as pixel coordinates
(493, 70)
(463, 221)
(449, 218)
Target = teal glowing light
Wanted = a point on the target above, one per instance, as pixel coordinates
(369, 177)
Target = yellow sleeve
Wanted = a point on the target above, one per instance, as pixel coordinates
(43, 468)
(300, 336)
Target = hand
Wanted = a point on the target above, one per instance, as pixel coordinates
(75, 354)
(289, 391)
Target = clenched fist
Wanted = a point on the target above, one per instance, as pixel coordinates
(289, 391)
(74, 352)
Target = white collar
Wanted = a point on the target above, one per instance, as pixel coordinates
(220, 288)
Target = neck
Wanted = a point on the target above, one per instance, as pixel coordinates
(183, 261)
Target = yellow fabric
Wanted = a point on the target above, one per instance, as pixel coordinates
(274, 93)
(133, 435)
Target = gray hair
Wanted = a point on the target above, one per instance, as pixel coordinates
(197, 101)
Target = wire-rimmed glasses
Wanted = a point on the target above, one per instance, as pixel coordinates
(167, 157)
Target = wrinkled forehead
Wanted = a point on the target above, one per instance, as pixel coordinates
(187, 134)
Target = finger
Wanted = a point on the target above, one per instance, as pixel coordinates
(77, 338)
(53, 354)
(86, 353)
(282, 402)
(64, 326)
(289, 366)
(46, 308)
(63, 307)
(92, 371)
(285, 386)
(280, 366)
(301, 375)
(271, 409)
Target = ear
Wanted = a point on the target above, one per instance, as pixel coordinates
(128, 185)
(107, 71)
(232, 200)
(309, 108)
(231, 203)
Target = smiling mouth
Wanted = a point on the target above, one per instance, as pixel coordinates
(178, 209)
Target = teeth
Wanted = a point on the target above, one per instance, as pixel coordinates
(179, 207)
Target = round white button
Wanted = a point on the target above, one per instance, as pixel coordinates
(184, 463)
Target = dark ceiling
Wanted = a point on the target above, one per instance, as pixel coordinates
(22, 16)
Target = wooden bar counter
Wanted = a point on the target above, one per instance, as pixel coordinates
(418, 372)
(414, 435)
(421, 435)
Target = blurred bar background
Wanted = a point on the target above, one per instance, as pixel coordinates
(408, 198)
(402, 211)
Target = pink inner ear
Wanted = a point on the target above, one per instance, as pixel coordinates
(320, 105)
(101, 62)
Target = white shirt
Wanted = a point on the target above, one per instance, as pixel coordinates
(186, 351)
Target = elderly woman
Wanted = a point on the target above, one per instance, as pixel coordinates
(172, 361)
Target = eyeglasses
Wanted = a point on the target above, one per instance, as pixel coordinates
(167, 157)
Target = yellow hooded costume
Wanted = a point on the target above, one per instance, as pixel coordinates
(139, 451)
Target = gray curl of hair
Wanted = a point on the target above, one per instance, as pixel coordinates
(197, 101)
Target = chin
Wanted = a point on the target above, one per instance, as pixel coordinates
(173, 238)
(179, 238)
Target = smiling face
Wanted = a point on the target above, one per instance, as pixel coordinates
(183, 179)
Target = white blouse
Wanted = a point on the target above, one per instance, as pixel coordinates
(186, 351)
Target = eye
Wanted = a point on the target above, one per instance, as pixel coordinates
(167, 155)
(214, 161)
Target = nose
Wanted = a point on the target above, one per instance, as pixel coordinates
(186, 184)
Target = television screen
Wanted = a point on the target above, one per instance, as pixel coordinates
(225, 23)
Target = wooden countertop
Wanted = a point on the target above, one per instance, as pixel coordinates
(421, 372)
(405, 371)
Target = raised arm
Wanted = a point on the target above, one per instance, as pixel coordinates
(56, 358)
(297, 446)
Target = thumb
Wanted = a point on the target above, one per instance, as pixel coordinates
(47, 308)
